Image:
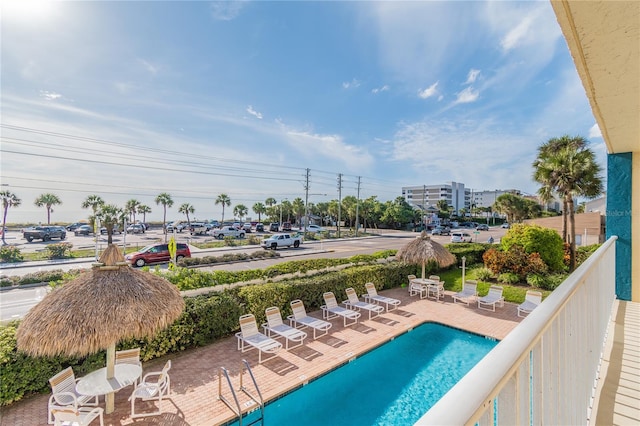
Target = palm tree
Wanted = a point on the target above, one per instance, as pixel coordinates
(94, 202)
(143, 209)
(166, 201)
(225, 201)
(48, 201)
(297, 206)
(132, 208)
(566, 166)
(8, 200)
(240, 210)
(270, 201)
(187, 208)
(259, 209)
(110, 215)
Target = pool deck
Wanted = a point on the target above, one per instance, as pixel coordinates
(194, 373)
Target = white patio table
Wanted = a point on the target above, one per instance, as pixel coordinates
(96, 382)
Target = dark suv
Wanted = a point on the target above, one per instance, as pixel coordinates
(157, 253)
(274, 227)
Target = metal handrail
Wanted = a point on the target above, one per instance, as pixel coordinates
(237, 410)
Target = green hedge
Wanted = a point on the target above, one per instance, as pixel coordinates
(204, 320)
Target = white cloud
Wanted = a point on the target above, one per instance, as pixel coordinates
(467, 95)
(429, 91)
(253, 112)
(594, 131)
(152, 69)
(226, 10)
(50, 96)
(351, 84)
(473, 75)
(380, 89)
(517, 34)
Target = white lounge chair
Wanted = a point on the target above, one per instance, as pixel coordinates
(356, 304)
(275, 325)
(331, 309)
(373, 296)
(468, 293)
(416, 287)
(64, 395)
(493, 298)
(250, 338)
(300, 319)
(531, 300)
(152, 390)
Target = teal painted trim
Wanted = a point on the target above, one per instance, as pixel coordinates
(619, 186)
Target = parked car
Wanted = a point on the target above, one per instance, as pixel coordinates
(505, 225)
(286, 226)
(441, 230)
(116, 230)
(179, 227)
(259, 227)
(227, 231)
(247, 227)
(274, 227)
(315, 228)
(44, 233)
(281, 240)
(135, 228)
(460, 237)
(482, 227)
(198, 228)
(156, 253)
(74, 226)
(83, 230)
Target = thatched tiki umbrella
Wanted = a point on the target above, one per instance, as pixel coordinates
(422, 249)
(95, 311)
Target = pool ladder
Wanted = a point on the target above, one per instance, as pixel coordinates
(237, 409)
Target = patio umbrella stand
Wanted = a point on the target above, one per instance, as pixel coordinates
(423, 249)
(99, 308)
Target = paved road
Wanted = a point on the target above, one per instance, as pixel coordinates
(15, 303)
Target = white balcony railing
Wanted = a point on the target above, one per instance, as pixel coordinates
(544, 372)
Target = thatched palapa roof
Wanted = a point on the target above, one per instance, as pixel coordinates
(110, 303)
(422, 249)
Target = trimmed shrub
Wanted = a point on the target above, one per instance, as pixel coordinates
(10, 254)
(484, 274)
(536, 239)
(509, 278)
(473, 252)
(59, 250)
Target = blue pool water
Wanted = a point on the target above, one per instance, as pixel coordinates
(394, 384)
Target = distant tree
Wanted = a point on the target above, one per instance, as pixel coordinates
(110, 215)
(9, 199)
(225, 201)
(443, 208)
(297, 207)
(166, 201)
(259, 209)
(241, 211)
(185, 209)
(270, 201)
(94, 202)
(143, 209)
(48, 201)
(132, 208)
(566, 166)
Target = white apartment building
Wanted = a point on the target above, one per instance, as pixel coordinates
(488, 198)
(426, 197)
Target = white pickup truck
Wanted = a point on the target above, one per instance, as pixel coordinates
(227, 231)
(281, 240)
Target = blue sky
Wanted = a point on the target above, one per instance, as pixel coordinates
(130, 99)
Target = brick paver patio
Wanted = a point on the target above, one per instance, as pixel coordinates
(194, 373)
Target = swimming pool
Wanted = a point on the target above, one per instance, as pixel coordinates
(394, 384)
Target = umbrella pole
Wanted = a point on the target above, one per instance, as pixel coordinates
(111, 361)
(423, 277)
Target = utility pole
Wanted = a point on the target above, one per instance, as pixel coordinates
(424, 218)
(306, 201)
(339, 201)
(358, 207)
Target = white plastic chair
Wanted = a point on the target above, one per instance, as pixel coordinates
(354, 303)
(493, 298)
(436, 289)
(250, 338)
(77, 416)
(152, 390)
(331, 309)
(531, 301)
(129, 356)
(469, 292)
(416, 287)
(300, 319)
(275, 325)
(64, 395)
(373, 296)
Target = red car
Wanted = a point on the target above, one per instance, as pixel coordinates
(157, 253)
